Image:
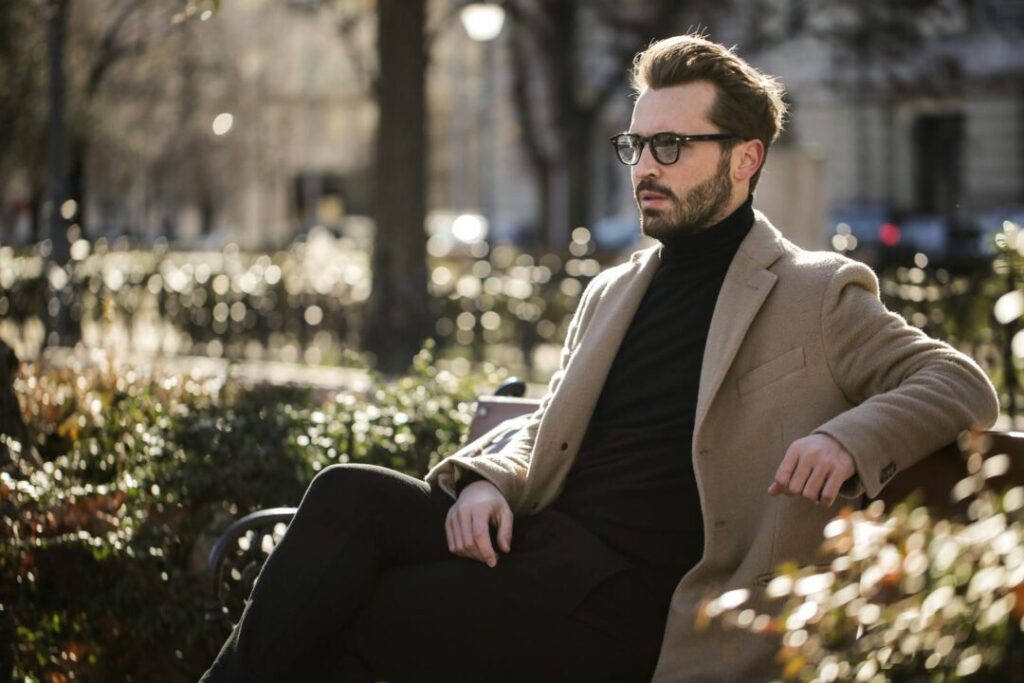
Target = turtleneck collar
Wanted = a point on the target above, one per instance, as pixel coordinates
(720, 240)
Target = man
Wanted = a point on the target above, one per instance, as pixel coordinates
(715, 395)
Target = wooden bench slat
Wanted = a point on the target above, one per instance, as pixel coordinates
(934, 477)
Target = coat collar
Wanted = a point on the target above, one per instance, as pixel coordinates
(744, 290)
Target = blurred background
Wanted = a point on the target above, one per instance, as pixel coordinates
(244, 240)
(331, 182)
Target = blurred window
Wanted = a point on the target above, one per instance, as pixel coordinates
(938, 147)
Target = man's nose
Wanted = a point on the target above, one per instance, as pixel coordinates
(646, 166)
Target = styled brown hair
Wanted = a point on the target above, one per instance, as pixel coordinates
(748, 103)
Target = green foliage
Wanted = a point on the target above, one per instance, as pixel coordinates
(507, 297)
(977, 310)
(906, 597)
(102, 549)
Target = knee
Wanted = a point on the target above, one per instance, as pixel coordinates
(342, 485)
(339, 480)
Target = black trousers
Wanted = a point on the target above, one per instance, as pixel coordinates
(362, 587)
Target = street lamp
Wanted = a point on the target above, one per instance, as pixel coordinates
(482, 20)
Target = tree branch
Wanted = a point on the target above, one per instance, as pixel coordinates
(110, 50)
(523, 103)
(347, 25)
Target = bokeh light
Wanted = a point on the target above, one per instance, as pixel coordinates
(223, 123)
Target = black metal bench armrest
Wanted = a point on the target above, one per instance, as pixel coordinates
(237, 557)
(513, 386)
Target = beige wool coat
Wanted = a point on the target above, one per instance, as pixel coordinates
(799, 343)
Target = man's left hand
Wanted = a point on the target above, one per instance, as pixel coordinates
(814, 467)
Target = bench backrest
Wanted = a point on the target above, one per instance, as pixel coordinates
(493, 410)
(932, 479)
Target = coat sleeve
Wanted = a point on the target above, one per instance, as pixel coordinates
(911, 394)
(503, 455)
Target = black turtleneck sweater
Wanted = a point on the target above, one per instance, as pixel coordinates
(633, 483)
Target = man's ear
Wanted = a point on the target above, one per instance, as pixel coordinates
(748, 156)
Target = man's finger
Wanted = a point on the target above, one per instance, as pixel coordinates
(803, 470)
(784, 473)
(464, 528)
(449, 533)
(505, 529)
(831, 490)
(458, 537)
(482, 541)
(812, 489)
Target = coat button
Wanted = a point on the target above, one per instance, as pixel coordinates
(565, 446)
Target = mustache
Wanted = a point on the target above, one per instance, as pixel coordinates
(648, 185)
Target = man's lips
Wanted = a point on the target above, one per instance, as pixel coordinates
(647, 197)
(649, 193)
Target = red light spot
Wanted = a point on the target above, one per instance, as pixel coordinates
(889, 234)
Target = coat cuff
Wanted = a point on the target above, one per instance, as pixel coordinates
(874, 470)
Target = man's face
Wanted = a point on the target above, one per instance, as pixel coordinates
(696, 191)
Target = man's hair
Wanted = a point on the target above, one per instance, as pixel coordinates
(748, 103)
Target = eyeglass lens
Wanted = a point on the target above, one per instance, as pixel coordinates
(628, 149)
(665, 148)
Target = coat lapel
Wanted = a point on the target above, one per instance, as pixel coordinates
(744, 290)
(613, 313)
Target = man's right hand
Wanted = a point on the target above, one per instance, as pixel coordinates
(468, 525)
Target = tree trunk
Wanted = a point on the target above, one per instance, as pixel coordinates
(563, 57)
(398, 315)
(543, 42)
(579, 163)
(61, 328)
(77, 179)
(546, 47)
(531, 135)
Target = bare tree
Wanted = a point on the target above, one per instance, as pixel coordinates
(23, 97)
(48, 100)
(398, 318)
(113, 43)
(550, 52)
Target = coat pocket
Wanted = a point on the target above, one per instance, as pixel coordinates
(773, 370)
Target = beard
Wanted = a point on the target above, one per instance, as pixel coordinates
(702, 207)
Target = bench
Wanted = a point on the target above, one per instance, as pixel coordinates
(237, 556)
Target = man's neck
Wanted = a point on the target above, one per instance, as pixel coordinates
(722, 238)
(739, 198)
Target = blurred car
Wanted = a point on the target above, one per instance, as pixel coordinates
(986, 223)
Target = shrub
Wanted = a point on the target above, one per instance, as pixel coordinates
(101, 549)
(907, 597)
(306, 301)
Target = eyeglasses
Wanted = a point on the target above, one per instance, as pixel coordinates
(664, 146)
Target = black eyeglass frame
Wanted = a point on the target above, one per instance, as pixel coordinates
(678, 138)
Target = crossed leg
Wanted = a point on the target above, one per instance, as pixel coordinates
(362, 587)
